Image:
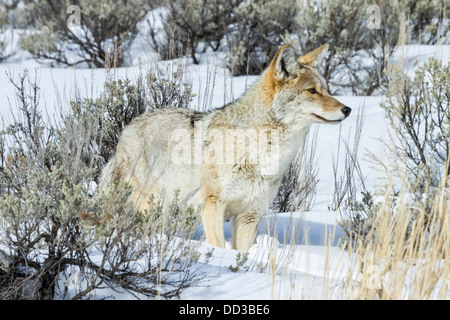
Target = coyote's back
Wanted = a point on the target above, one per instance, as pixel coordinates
(143, 157)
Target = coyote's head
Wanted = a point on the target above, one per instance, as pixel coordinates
(299, 92)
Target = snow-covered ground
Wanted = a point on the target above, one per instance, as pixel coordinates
(309, 266)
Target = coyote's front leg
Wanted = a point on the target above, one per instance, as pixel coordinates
(244, 230)
(212, 218)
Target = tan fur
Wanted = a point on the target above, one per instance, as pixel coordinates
(158, 153)
(310, 59)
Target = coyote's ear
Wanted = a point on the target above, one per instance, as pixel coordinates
(284, 64)
(310, 59)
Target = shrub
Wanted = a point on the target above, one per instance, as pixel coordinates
(104, 25)
(18, 16)
(186, 23)
(418, 112)
(57, 239)
(356, 55)
(427, 19)
(251, 30)
(255, 36)
(5, 21)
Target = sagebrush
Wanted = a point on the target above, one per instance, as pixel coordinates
(53, 225)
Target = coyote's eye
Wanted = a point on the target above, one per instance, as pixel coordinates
(312, 91)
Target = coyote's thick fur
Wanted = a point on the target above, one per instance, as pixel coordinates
(229, 161)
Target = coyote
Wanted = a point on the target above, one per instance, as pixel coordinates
(229, 161)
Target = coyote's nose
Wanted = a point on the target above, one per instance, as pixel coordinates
(346, 111)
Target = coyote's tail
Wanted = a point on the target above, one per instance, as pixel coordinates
(106, 180)
(107, 176)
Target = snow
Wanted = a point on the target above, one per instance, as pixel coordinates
(278, 266)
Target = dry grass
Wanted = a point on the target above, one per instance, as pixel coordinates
(405, 255)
